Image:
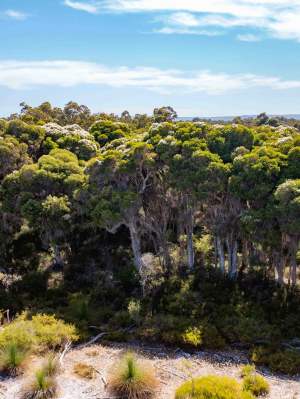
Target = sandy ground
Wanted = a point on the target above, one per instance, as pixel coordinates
(170, 368)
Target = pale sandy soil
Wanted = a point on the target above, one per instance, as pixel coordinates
(170, 366)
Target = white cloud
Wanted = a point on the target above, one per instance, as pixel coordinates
(276, 18)
(29, 74)
(82, 6)
(14, 14)
(248, 37)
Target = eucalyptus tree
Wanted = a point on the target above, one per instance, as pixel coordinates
(31, 135)
(13, 155)
(41, 193)
(105, 131)
(288, 197)
(117, 180)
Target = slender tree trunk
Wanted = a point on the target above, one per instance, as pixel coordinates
(293, 269)
(190, 248)
(245, 255)
(293, 260)
(57, 255)
(221, 254)
(216, 257)
(136, 246)
(279, 265)
(232, 256)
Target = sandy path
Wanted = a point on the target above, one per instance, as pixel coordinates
(169, 367)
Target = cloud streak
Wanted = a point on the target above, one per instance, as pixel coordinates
(17, 15)
(275, 18)
(17, 75)
(82, 6)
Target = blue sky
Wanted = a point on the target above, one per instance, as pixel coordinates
(203, 57)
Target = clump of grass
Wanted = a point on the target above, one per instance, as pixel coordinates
(12, 358)
(51, 365)
(42, 386)
(248, 369)
(84, 370)
(256, 384)
(133, 379)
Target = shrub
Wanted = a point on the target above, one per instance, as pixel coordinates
(51, 332)
(42, 332)
(192, 336)
(133, 379)
(134, 310)
(248, 369)
(212, 387)
(256, 384)
(42, 386)
(11, 358)
(84, 371)
(212, 339)
(282, 361)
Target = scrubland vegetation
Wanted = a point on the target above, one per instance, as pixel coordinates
(150, 229)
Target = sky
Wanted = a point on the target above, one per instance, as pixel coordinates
(202, 57)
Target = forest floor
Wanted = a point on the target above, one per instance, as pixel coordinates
(170, 366)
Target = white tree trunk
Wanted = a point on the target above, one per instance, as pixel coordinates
(232, 257)
(190, 249)
(57, 255)
(221, 254)
(136, 246)
(279, 263)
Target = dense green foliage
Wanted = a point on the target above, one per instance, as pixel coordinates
(187, 230)
(211, 387)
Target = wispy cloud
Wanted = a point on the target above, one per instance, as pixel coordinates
(28, 74)
(248, 37)
(82, 6)
(275, 18)
(17, 15)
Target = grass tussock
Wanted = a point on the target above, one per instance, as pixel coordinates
(12, 359)
(42, 386)
(133, 379)
(256, 384)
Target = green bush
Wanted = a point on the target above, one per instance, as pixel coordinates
(192, 336)
(248, 369)
(281, 361)
(212, 387)
(12, 358)
(40, 332)
(212, 339)
(133, 379)
(256, 384)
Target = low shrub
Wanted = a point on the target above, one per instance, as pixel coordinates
(248, 369)
(256, 384)
(212, 339)
(51, 332)
(42, 386)
(281, 361)
(41, 331)
(83, 370)
(133, 379)
(12, 358)
(192, 336)
(212, 387)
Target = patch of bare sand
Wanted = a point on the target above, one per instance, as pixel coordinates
(172, 368)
